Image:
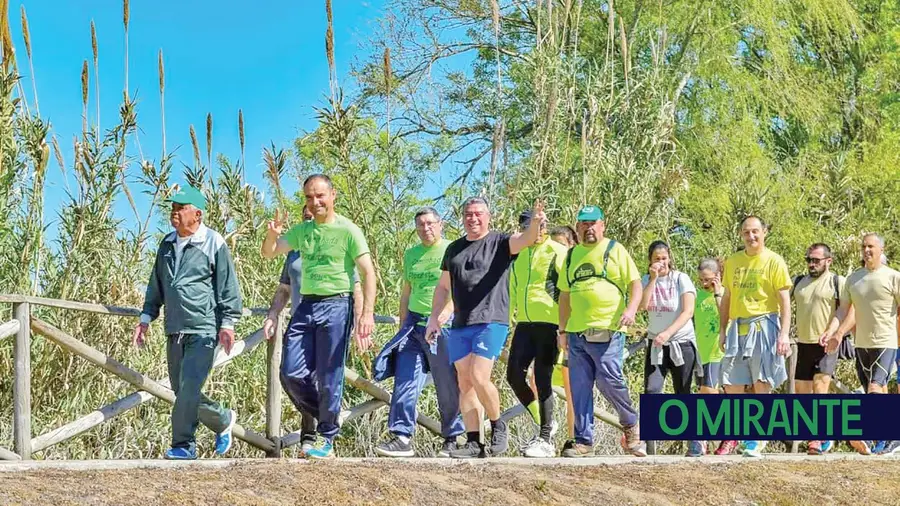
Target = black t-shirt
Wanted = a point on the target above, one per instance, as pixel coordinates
(479, 279)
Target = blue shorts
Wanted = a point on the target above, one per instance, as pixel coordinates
(711, 372)
(485, 340)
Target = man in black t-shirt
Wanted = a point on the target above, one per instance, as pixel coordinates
(476, 274)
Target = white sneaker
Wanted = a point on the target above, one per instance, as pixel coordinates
(540, 449)
(754, 448)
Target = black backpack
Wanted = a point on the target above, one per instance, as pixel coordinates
(845, 350)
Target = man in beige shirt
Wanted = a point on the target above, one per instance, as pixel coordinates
(816, 295)
(869, 300)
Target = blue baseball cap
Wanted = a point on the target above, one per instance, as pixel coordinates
(189, 195)
(590, 213)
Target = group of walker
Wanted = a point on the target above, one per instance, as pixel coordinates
(572, 297)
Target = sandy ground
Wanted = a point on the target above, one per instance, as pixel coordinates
(712, 480)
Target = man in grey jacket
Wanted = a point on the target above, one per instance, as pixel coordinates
(194, 277)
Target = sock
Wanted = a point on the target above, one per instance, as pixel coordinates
(473, 437)
(403, 439)
(546, 418)
(534, 410)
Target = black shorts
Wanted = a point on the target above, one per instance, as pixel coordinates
(710, 378)
(812, 360)
(873, 365)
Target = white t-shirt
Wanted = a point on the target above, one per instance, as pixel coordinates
(180, 243)
(665, 304)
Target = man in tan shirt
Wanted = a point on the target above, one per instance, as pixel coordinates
(816, 295)
(869, 300)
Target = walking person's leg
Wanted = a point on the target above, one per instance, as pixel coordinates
(409, 379)
(581, 376)
(446, 385)
(333, 319)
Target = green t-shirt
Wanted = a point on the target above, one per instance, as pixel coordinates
(422, 270)
(706, 327)
(596, 303)
(329, 252)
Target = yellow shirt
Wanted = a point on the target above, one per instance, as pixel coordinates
(815, 299)
(596, 303)
(754, 282)
(874, 295)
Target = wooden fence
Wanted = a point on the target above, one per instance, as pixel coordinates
(24, 326)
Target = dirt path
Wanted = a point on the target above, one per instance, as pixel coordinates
(767, 481)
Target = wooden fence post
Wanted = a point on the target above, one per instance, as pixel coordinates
(273, 388)
(22, 388)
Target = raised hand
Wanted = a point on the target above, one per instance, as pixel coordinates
(654, 270)
(277, 224)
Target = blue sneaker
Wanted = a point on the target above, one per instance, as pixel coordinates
(224, 439)
(181, 454)
(827, 446)
(754, 448)
(879, 447)
(891, 448)
(696, 449)
(323, 450)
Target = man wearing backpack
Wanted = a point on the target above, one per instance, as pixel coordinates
(869, 301)
(817, 295)
(594, 315)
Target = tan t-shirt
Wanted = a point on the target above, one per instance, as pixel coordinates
(815, 299)
(874, 295)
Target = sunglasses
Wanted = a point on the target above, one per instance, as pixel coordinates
(810, 260)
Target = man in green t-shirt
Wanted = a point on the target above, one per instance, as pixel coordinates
(594, 314)
(408, 357)
(315, 344)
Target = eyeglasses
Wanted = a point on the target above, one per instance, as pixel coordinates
(811, 260)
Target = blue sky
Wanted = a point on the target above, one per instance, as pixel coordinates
(267, 58)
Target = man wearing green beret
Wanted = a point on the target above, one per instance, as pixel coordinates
(594, 315)
(194, 277)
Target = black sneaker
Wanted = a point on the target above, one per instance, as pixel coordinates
(499, 441)
(394, 448)
(471, 450)
(448, 446)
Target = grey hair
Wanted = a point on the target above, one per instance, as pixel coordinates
(876, 236)
(710, 264)
(471, 201)
(427, 210)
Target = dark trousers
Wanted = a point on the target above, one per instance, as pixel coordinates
(190, 358)
(534, 342)
(315, 351)
(682, 376)
(409, 379)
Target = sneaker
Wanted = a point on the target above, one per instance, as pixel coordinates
(448, 446)
(307, 442)
(814, 448)
(726, 447)
(394, 448)
(754, 448)
(696, 449)
(879, 447)
(323, 450)
(470, 450)
(540, 449)
(181, 454)
(631, 441)
(827, 446)
(499, 441)
(573, 449)
(224, 439)
(861, 447)
(891, 448)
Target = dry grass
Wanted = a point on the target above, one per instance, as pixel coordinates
(384, 482)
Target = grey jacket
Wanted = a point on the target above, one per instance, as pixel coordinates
(203, 295)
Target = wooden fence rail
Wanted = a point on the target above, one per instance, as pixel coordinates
(24, 324)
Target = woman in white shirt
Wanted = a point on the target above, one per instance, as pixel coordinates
(668, 298)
